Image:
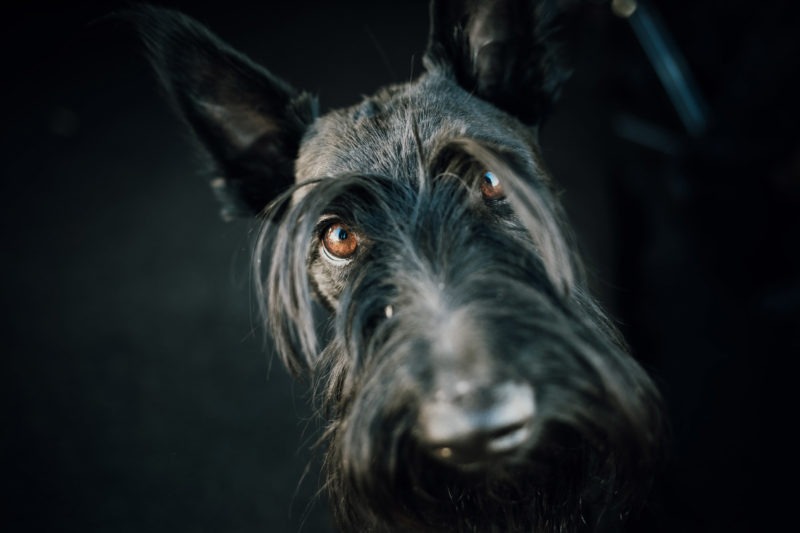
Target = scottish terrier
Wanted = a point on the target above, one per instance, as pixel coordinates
(414, 266)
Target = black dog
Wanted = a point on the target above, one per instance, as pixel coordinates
(467, 380)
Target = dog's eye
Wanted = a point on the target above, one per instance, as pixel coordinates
(491, 188)
(339, 241)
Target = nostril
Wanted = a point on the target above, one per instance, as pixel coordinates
(462, 431)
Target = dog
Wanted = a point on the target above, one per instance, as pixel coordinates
(414, 266)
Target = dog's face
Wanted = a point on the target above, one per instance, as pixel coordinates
(458, 340)
(415, 136)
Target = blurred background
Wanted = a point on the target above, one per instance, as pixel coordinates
(138, 394)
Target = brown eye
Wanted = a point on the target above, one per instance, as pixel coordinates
(491, 188)
(339, 241)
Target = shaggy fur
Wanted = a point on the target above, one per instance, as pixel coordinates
(446, 285)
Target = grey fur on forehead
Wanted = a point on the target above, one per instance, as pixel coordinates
(376, 136)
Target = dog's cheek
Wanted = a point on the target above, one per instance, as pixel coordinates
(328, 281)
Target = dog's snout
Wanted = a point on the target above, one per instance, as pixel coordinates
(469, 425)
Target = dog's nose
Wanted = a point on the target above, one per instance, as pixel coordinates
(468, 425)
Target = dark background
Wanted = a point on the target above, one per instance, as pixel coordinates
(137, 391)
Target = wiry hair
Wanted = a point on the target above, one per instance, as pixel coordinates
(597, 413)
(289, 231)
(445, 284)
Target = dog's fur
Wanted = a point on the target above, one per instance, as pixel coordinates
(447, 289)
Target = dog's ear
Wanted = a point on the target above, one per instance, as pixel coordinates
(249, 121)
(500, 50)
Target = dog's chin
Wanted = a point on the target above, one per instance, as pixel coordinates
(473, 471)
(523, 454)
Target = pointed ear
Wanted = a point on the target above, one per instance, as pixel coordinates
(500, 50)
(249, 121)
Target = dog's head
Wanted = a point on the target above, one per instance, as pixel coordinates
(458, 337)
(491, 77)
